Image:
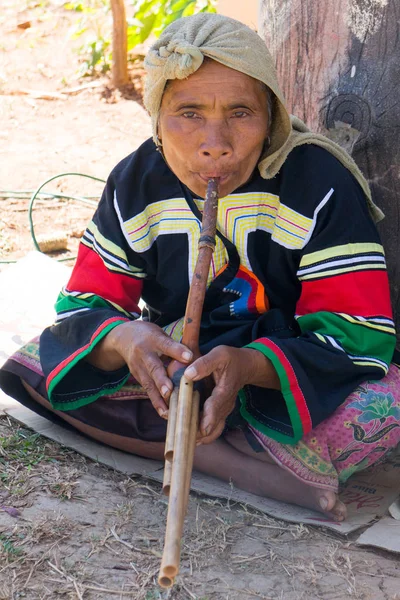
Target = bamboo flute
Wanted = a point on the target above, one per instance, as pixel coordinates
(184, 402)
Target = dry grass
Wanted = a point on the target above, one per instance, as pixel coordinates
(86, 532)
(28, 462)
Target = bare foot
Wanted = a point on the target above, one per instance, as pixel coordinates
(233, 461)
(275, 482)
(255, 473)
(329, 504)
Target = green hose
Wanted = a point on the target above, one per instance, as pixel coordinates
(34, 195)
(90, 200)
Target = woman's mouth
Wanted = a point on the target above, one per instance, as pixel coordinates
(222, 177)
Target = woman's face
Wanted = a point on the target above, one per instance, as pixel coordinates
(213, 124)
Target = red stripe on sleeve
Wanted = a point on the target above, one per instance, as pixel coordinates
(362, 293)
(70, 359)
(292, 387)
(91, 275)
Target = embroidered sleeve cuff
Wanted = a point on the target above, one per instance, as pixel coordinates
(291, 392)
(72, 371)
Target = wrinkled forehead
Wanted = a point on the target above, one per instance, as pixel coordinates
(215, 80)
(213, 76)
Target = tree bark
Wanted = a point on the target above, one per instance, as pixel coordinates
(340, 61)
(119, 44)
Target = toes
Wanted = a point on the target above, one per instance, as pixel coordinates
(327, 501)
(331, 505)
(339, 510)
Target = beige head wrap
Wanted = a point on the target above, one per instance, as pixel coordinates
(180, 51)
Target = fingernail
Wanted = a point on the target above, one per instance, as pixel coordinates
(165, 390)
(190, 372)
(207, 429)
(163, 413)
(187, 355)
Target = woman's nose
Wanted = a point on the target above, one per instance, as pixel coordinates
(216, 140)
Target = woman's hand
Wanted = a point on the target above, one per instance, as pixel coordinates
(141, 345)
(231, 368)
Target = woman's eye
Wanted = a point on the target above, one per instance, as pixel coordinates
(189, 114)
(240, 114)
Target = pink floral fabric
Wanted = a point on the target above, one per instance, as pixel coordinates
(359, 434)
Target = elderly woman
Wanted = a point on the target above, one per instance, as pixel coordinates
(297, 318)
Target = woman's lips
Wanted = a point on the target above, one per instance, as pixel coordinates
(221, 176)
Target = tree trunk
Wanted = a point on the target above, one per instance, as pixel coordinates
(119, 44)
(340, 62)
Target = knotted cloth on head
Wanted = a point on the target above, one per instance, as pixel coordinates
(180, 51)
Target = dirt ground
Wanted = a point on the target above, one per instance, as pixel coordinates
(86, 131)
(70, 528)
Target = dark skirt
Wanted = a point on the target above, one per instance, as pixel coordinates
(128, 412)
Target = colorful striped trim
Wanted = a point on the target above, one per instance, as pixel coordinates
(163, 218)
(371, 258)
(367, 361)
(72, 303)
(291, 229)
(238, 216)
(364, 346)
(335, 252)
(66, 365)
(317, 210)
(328, 339)
(91, 275)
(113, 257)
(325, 273)
(169, 218)
(342, 259)
(250, 292)
(292, 393)
(62, 315)
(362, 361)
(175, 329)
(381, 324)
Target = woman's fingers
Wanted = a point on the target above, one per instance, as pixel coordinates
(216, 409)
(226, 366)
(151, 389)
(155, 368)
(136, 339)
(203, 366)
(142, 345)
(213, 435)
(154, 395)
(169, 347)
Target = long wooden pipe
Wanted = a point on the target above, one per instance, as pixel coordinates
(184, 402)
